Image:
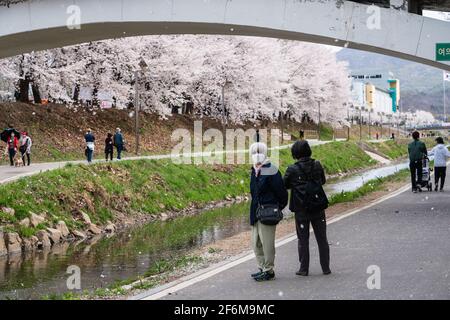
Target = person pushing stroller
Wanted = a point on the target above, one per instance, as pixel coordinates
(416, 151)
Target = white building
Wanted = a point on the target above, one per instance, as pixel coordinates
(381, 99)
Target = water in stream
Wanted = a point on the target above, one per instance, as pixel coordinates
(129, 254)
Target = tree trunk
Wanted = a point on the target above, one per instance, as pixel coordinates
(24, 85)
(36, 93)
(76, 93)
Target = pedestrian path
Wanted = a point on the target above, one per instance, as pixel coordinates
(9, 174)
(404, 237)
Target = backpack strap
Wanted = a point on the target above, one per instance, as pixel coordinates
(309, 173)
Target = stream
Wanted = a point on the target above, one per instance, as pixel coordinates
(130, 253)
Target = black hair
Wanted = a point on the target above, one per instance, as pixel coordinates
(439, 140)
(301, 149)
(416, 135)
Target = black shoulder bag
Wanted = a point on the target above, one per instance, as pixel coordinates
(269, 214)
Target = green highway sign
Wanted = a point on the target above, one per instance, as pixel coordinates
(442, 51)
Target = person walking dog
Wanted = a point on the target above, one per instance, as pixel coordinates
(308, 201)
(25, 147)
(269, 197)
(416, 151)
(441, 154)
(12, 146)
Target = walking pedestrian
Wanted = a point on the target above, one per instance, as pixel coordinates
(302, 135)
(269, 197)
(90, 145)
(441, 154)
(119, 143)
(109, 147)
(416, 151)
(308, 201)
(25, 147)
(12, 146)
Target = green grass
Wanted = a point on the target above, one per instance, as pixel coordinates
(391, 149)
(159, 237)
(326, 132)
(335, 157)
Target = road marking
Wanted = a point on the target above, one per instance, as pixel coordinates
(201, 275)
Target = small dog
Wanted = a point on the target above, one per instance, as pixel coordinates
(18, 162)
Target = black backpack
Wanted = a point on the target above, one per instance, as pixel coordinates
(312, 195)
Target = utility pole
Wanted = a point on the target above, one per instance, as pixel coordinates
(370, 136)
(319, 121)
(360, 123)
(381, 126)
(445, 107)
(389, 125)
(136, 110)
(223, 116)
(142, 67)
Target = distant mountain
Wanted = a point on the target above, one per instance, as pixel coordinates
(420, 85)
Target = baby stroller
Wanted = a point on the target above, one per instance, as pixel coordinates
(426, 175)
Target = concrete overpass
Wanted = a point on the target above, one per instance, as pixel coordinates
(33, 25)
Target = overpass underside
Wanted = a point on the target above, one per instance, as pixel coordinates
(35, 25)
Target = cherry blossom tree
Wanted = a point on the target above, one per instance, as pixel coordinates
(259, 77)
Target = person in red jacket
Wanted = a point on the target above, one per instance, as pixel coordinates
(13, 145)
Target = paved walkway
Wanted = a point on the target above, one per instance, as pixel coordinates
(406, 236)
(9, 174)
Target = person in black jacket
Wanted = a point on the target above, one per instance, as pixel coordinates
(295, 178)
(109, 147)
(266, 187)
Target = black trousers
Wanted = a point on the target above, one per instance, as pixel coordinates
(320, 232)
(416, 173)
(23, 157)
(440, 173)
(12, 154)
(109, 153)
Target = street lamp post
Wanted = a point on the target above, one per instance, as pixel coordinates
(319, 121)
(360, 123)
(348, 119)
(381, 125)
(224, 116)
(142, 67)
(136, 110)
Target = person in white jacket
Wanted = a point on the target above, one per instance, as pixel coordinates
(441, 154)
(25, 147)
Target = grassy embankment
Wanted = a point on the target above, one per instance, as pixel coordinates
(391, 149)
(171, 236)
(143, 186)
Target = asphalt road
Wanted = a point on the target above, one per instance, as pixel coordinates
(407, 237)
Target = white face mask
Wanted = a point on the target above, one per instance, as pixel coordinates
(258, 158)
